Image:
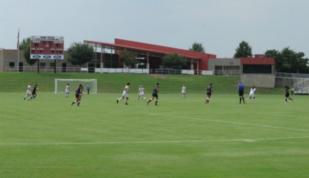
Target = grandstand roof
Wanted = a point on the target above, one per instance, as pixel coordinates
(153, 48)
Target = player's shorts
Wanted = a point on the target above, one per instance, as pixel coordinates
(141, 94)
(125, 94)
(287, 95)
(28, 92)
(208, 95)
(155, 96)
(241, 93)
(77, 96)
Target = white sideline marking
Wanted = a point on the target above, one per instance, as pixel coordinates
(254, 125)
(244, 140)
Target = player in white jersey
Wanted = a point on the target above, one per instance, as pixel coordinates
(125, 94)
(252, 93)
(184, 91)
(67, 90)
(141, 93)
(28, 92)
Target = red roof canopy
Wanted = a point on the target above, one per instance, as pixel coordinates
(258, 60)
(160, 49)
(121, 43)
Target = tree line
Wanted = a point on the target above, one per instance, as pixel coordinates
(287, 60)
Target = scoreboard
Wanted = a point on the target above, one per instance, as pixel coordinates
(47, 48)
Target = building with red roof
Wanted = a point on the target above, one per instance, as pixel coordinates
(258, 64)
(149, 55)
(258, 70)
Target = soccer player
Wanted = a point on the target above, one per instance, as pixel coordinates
(155, 95)
(67, 90)
(208, 93)
(28, 92)
(252, 93)
(125, 94)
(34, 92)
(287, 94)
(184, 91)
(141, 93)
(241, 92)
(78, 95)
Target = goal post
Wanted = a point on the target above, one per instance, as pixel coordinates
(90, 84)
(299, 85)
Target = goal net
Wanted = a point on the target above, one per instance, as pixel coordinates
(89, 84)
(298, 84)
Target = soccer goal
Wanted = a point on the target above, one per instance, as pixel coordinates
(89, 84)
(299, 85)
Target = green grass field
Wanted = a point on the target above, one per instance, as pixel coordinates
(181, 138)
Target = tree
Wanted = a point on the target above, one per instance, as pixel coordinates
(80, 54)
(128, 58)
(25, 48)
(174, 61)
(198, 47)
(289, 60)
(243, 50)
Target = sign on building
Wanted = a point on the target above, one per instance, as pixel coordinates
(47, 48)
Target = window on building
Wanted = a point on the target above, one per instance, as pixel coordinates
(12, 64)
(257, 69)
(43, 64)
(227, 70)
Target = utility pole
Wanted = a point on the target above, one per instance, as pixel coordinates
(18, 51)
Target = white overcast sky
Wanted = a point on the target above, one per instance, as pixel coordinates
(218, 24)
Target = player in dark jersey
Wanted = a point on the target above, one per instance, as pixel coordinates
(155, 95)
(78, 95)
(34, 92)
(287, 94)
(241, 92)
(209, 91)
